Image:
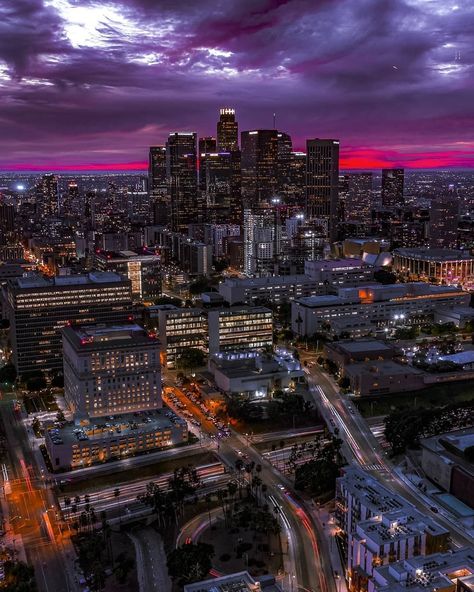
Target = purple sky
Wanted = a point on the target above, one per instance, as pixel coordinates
(89, 83)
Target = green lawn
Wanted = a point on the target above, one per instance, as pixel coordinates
(434, 396)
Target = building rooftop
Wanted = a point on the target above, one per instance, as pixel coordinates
(107, 336)
(461, 358)
(274, 280)
(236, 582)
(100, 428)
(427, 254)
(362, 345)
(378, 367)
(335, 264)
(36, 280)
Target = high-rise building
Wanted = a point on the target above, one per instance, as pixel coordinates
(322, 181)
(220, 186)
(38, 308)
(47, 196)
(142, 269)
(358, 202)
(227, 130)
(262, 241)
(158, 184)
(110, 369)
(186, 205)
(207, 144)
(259, 167)
(444, 220)
(392, 187)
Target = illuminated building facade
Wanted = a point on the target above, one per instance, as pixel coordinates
(358, 201)
(47, 197)
(443, 224)
(220, 186)
(259, 167)
(142, 269)
(227, 130)
(440, 266)
(111, 369)
(38, 308)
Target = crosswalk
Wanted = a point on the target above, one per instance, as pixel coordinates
(376, 467)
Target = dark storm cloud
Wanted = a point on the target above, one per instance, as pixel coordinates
(114, 76)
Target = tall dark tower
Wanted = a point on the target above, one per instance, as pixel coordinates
(259, 167)
(47, 196)
(227, 130)
(186, 206)
(392, 187)
(444, 220)
(207, 144)
(322, 182)
(158, 184)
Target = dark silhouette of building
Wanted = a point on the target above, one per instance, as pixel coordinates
(444, 220)
(220, 186)
(207, 144)
(186, 206)
(322, 181)
(158, 184)
(392, 187)
(259, 167)
(47, 196)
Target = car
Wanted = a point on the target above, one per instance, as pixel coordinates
(434, 509)
(281, 486)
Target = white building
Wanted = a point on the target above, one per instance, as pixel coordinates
(110, 370)
(339, 272)
(372, 306)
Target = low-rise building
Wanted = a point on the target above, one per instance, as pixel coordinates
(236, 582)
(447, 461)
(442, 266)
(438, 572)
(339, 272)
(459, 316)
(102, 439)
(255, 376)
(374, 306)
(343, 353)
(383, 377)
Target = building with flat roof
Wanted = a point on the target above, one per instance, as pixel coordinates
(236, 582)
(111, 369)
(380, 527)
(440, 266)
(113, 438)
(142, 269)
(343, 353)
(339, 272)
(253, 375)
(383, 377)
(447, 461)
(374, 306)
(446, 572)
(39, 307)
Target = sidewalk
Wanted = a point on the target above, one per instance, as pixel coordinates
(324, 517)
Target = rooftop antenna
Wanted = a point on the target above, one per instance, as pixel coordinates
(274, 120)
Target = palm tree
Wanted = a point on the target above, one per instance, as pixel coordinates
(117, 497)
(239, 465)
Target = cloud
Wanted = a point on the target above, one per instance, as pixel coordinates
(116, 75)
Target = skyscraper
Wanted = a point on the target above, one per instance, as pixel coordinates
(392, 187)
(443, 224)
(158, 184)
(47, 196)
(358, 201)
(207, 144)
(181, 169)
(227, 130)
(259, 167)
(220, 186)
(322, 181)
(262, 241)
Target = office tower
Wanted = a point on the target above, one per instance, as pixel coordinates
(262, 241)
(444, 220)
(110, 369)
(285, 158)
(392, 187)
(207, 144)
(7, 218)
(322, 182)
(47, 196)
(38, 308)
(186, 205)
(220, 186)
(259, 167)
(358, 202)
(142, 269)
(158, 184)
(227, 130)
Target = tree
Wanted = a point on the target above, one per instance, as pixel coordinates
(8, 373)
(318, 476)
(19, 577)
(190, 563)
(191, 358)
(169, 300)
(58, 380)
(384, 276)
(199, 286)
(36, 384)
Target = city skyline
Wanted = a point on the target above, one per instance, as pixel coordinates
(89, 86)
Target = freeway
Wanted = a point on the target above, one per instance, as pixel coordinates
(365, 449)
(310, 565)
